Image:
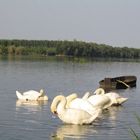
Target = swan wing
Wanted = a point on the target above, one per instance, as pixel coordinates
(113, 94)
(30, 92)
(100, 101)
(82, 104)
(31, 95)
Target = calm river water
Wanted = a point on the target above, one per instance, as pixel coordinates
(24, 121)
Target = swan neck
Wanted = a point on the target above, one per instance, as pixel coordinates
(61, 100)
(100, 91)
(70, 98)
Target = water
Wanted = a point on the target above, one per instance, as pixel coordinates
(20, 120)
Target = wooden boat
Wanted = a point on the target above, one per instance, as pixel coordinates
(121, 82)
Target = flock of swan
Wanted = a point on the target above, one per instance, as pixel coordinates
(75, 110)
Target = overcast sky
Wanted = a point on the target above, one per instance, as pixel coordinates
(112, 22)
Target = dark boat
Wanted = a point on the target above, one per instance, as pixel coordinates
(121, 82)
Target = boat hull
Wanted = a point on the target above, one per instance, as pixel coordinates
(122, 82)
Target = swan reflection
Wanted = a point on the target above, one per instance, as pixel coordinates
(74, 131)
(111, 115)
(114, 111)
(30, 105)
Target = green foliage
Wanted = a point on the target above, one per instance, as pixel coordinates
(132, 131)
(134, 135)
(4, 50)
(68, 48)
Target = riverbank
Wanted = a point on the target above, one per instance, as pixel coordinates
(66, 48)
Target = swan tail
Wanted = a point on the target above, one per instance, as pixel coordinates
(19, 95)
(121, 100)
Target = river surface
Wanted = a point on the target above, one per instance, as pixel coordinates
(34, 121)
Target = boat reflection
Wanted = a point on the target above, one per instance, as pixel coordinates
(73, 131)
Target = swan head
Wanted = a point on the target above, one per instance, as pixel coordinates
(99, 91)
(55, 112)
(53, 108)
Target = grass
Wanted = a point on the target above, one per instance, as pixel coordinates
(134, 135)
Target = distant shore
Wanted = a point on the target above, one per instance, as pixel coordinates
(66, 48)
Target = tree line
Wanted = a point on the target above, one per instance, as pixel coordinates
(68, 48)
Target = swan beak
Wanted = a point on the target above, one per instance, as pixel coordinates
(55, 112)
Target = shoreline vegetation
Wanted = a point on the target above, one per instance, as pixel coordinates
(66, 48)
(133, 133)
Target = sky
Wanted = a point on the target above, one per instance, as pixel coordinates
(111, 22)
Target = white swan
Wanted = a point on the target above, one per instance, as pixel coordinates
(31, 95)
(83, 104)
(70, 115)
(114, 97)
